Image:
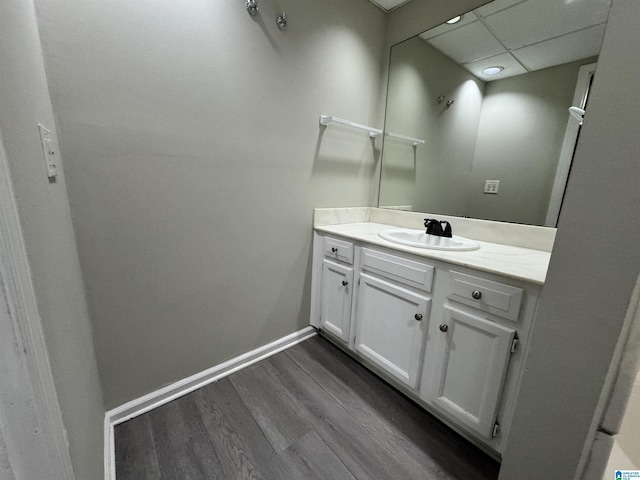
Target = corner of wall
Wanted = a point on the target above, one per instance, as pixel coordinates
(49, 237)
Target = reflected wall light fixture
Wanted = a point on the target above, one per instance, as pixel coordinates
(455, 19)
(442, 98)
(492, 70)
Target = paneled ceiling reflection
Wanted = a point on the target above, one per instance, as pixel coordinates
(520, 35)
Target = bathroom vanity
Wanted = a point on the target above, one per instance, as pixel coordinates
(448, 328)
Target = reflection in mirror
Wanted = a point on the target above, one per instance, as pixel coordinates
(497, 147)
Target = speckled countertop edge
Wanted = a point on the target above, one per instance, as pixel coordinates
(515, 262)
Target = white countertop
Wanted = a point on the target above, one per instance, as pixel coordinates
(515, 262)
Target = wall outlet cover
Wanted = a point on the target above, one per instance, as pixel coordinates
(49, 150)
(491, 186)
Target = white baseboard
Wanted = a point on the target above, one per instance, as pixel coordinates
(166, 394)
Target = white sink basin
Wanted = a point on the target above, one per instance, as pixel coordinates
(417, 238)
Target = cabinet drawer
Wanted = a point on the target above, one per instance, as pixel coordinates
(492, 297)
(338, 250)
(408, 272)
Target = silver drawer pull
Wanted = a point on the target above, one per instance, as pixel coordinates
(444, 328)
(477, 294)
(418, 316)
(344, 283)
(334, 249)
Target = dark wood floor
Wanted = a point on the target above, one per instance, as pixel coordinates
(309, 412)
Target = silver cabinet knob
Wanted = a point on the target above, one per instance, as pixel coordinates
(477, 294)
(418, 316)
(334, 249)
(345, 283)
(444, 328)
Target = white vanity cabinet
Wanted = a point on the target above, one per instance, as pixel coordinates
(470, 369)
(392, 313)
(336, 287)
(479, 334)
(337, 294)
(451, 337)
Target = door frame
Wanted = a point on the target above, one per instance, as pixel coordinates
(38, 389)
(585, 75)
(616, 392)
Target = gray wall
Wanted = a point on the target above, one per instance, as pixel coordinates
(49, 238)
(433, 177)
(195, 159)
(522, 126)
(591, 276)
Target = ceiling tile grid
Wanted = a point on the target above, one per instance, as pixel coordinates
(535, 21)
(469, 43)
(535, 34)
(568, 48)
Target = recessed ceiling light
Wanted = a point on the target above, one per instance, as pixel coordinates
(492, 70)
(455, 19)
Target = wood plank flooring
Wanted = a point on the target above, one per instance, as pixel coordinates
(310, 412)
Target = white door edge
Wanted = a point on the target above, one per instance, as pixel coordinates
(22, 313)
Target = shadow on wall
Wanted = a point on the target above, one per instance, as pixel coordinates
(344, 150)
(345, 166)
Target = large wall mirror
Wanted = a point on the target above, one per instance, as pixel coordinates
(477, 117)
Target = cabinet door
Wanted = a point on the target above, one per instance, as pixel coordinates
(335, 309)
(391, 324)
(474, 355)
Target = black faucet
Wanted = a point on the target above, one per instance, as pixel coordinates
(434, 227)
(437, 228)
(446, 231)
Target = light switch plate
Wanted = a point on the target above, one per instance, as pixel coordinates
(491, 186)
(49, 151)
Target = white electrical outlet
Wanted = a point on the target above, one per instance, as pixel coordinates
(491, 186)
(49, 151)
